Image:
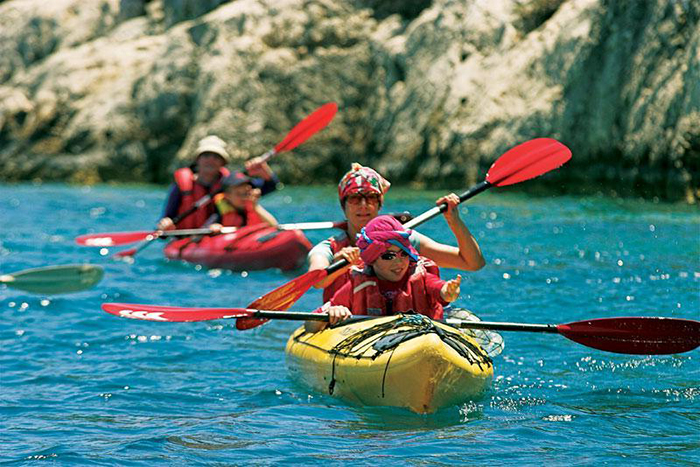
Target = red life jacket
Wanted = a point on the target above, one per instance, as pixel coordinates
(413, 296)
(231, 217)
(336, 246)
(191, 192)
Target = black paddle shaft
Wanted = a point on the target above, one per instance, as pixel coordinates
(429, 214)
(200, 202)
(493, 326)
(459, 323)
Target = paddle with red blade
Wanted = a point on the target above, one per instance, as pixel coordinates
(131, 252)
(106, 239)
(301, 132)
(523, 162)
(150, 236)
(628, 335)
(124, 238)
(305, 129)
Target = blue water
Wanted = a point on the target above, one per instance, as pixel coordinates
(78, 386)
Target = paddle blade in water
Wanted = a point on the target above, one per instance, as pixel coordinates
(282, 297)
(528, 160)
(307, 127)
(55, 279)
(172, 313)
(111, 238)
(131, 252)
(125, 253)
(635, 335)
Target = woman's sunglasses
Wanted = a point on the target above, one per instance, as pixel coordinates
(390, 255)
(370, 198)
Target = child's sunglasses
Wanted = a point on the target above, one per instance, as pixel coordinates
(389, 255)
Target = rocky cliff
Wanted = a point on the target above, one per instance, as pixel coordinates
(430, 92)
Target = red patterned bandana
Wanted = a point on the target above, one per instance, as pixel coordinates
(362, 179)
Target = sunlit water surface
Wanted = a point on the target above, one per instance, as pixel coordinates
(78, 386)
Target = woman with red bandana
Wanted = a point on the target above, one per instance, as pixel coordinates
(394, 279)
(361, 192)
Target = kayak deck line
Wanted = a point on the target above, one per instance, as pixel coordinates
(407, 361)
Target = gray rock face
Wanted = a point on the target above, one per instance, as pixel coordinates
(430, 92)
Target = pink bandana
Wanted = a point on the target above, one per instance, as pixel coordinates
(362, 179)
(379, 234)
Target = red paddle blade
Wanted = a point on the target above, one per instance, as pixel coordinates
(635, 335)
(172, 313)
(125, 253)
(528, 160)
(111, 239)
(307, 127)
(282, 297)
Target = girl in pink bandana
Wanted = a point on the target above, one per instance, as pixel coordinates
(394, 280)
(361, 193)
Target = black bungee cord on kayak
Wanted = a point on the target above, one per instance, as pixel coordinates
(381, 340)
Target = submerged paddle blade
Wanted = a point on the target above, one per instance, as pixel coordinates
(635, 335)
(111, 238)
(131, 252)
(307, 127)
(172, 313)
(125, 253)
(528, 160)
(282, 297)
(55, 279)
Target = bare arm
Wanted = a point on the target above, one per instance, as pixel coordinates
(165, 223)
(265, 215)
(257, 168)
(351, 254)
(467, 255)
(336, 308)
(335, 314)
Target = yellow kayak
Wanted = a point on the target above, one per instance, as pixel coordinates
(405, 361)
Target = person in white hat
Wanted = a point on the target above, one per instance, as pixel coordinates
(203, 177)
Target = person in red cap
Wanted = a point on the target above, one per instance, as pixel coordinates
(361, 193)
(203, 178)
(238, 205)
(394, 279)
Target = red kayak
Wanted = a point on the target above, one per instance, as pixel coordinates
(253, 247)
